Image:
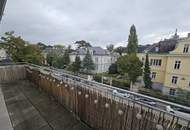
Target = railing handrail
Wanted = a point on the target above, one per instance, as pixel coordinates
(122, 90)
(108, 87)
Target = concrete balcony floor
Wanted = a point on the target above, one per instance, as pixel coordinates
(32, 109)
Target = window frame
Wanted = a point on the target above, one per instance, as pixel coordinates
(177, 64)
(153, 75)
(186, 48)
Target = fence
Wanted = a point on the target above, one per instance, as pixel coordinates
(102, 110)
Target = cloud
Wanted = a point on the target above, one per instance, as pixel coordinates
(100, 22)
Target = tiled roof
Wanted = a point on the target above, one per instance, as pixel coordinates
(164, 46)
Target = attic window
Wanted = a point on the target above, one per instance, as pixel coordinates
(157, 49)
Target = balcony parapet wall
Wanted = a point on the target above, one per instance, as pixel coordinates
(10, 73)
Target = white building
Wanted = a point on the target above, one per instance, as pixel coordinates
(101, 58)
(3, 54)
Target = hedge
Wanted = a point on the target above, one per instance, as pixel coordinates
(124, 84)
(160, 95)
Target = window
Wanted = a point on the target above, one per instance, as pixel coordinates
(159, 62)
(156, 62)
(172, 91)
(153, 75)
(174, 79)
(151, 62)
(177, 64)
(186, 48)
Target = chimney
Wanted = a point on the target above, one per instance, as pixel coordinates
(188, 35)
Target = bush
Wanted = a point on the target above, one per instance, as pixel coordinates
(124, 84)
(160, 95)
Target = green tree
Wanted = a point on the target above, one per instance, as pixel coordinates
(41, 45)
(88, 64)
(110, 48)
(82, 44)
(33, 54)
(52, 58)
(120, 50)
(66, 58)
(132, 46)
(146, 76)
(19, 50)
(76, 65)
(113, 69)
(59, 46)
(14, 46)
(130, 65)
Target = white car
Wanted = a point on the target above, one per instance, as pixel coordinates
(179, 111)
(115, 92)
(146, 101)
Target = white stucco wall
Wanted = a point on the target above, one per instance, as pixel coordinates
(102, 62)
(3, 54)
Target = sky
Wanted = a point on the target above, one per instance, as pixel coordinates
(100, 22)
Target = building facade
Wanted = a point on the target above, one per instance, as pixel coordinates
(170, 71)
(101, 57)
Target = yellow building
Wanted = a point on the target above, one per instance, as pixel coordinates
(170, 71)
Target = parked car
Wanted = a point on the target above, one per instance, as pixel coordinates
(146, 101)
(178, 111)
(126, 95)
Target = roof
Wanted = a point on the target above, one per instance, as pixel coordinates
(164, 46)
(94, 50)
(141, 48)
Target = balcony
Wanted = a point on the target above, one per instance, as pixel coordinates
(37, 97)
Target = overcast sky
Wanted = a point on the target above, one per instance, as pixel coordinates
(100, 22)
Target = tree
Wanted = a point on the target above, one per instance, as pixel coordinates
(146, 76)
(110, 48)
(132, 46)
(66, 58)
(52, 58)
(19, 50)
(59, 46)
(130, 65)
(82, 44)
(76, 65)
(88, 64)
(14, 46)
(42, 46)
(120, 50)
(33, 54)
(113, 69)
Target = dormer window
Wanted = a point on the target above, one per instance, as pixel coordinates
(157, 49)
(186, 48)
